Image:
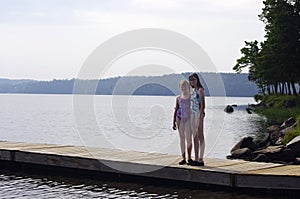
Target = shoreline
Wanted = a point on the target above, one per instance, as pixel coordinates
(283, 141)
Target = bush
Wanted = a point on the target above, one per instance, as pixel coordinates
(258, 97)
(280, 100)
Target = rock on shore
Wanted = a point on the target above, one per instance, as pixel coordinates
(229, 109)
(270, 149)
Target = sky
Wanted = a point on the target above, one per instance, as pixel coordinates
(47, 39)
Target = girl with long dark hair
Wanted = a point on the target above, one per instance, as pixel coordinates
(197, 118)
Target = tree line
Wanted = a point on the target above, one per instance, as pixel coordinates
(235, 85)
(274, 64)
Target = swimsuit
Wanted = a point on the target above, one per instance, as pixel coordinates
(183, 113)
(195, 102)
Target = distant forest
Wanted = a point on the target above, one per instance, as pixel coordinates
(236, 85)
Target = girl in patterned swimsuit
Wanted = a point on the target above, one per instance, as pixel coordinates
(197, 118)
(181, 120)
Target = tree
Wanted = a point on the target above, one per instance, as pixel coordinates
(274, 64)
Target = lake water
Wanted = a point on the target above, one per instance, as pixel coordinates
(140, 123)
(18, 185)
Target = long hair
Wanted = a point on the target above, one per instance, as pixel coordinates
(194, 75)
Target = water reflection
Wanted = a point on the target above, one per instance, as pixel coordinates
(22, 185)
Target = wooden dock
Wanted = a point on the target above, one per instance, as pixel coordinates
(227, 173)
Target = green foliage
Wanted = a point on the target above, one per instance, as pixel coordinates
(278, 101)
(274, 64)
(291, 135)
(250, 53)
(278, 115)
(273, 107)
(258, 97)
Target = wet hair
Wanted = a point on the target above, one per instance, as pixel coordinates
(182, 82)
(194, 75)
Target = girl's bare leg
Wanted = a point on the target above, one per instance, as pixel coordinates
(181, 128)
(189, 135)
(194, 127)
(196, 146)
(201, 138)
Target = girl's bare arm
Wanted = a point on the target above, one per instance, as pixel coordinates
(174, 115)
(202, 101)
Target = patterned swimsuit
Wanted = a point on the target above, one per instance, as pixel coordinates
(183, 113)
(195, 102)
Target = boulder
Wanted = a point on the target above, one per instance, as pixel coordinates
(246, 142)
(284, 131)
(294, 145)
(279, 141)
(253, 105)
(274, 136)
(286, 155)
(289, 122)
(264, 143)
(277, 154)
(228, 109)
(273, 128)
(261, 158)
(274, 133)
(243, 153)
(249, 110)
(270, 150)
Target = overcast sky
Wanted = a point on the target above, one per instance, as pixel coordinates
(46, 39)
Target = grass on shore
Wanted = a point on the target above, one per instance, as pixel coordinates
(274, 108)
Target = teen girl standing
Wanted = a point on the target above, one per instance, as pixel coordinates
(197, 118)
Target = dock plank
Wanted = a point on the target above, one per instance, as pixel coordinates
(214, 162)
(287, 170)
(67, 150)
(21, 146)
(249, 166)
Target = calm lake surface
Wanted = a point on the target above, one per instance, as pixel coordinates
(141, 123)
(18, 185)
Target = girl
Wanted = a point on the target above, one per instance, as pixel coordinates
(181, 120)
(197, 117)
